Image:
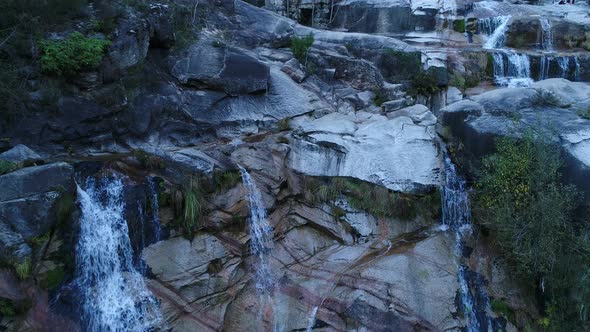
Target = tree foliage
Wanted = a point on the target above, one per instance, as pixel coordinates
(521, 197)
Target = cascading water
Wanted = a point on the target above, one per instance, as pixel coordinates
(563, 63)
(311, 319)
(456, 215)
(114, 296)
(577, 72)
(497, 36)
(546, 35)
(515, 71)
(149, 223)
(261, 235)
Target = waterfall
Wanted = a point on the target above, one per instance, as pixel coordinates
(456, 215)
(545, 64)
(114, 296)
(546, 35)
(498, 36)
(514, 72)
(261, 235)
(311, 320)
(149, 223)
(563, 63)
(577, 72)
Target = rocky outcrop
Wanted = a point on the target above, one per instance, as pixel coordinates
(550, 107)
(396, 153)
(18, 154)
(27, 205)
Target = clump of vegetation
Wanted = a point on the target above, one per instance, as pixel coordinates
(502, 308)
(192, 208)
(522, 199)
(300, 47)
(545, 98)
(379, 98)
(490, 65)
(584, 114)
(283, 124)
(7, 308)
(457, 80)
(225, 180)
(459, 25)
(399, 65)
(53, 278)
(148, 161)
(424, 84)
(64, 207)
(23, 269)
(7, 166)
(74, 54)
(365, 196)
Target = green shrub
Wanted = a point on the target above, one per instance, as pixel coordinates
(459, 25)
(521, 198)
(23, 269)
(379, 99)
(490, 65)
(77, 53)
(300, 47)
(397, 65)
(585, 114)
(148, 161)
(53, 278)
(225, 180)
(457, 80)
(7, 308)
(64, 207)
(423, 84)
(501, 308)
(7, 166)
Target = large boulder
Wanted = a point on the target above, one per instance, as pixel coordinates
(27, 205)
(209, 63)
(395, 153)
(19, 154)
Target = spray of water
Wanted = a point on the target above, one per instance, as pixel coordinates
(114, 296)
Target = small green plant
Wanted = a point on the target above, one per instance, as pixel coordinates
(64, 207)
(423, 84)
(7, 166)
(74, 54)
(502, 308)
(23, 269)
(53, 278)
(490, 65)
(225, 180)
(545, 98)
(379, 99)
(148, 161)
(283, 124)
(457, 80)
(300, 47)
(218, 44)
(192, 208)
(585, 114)
(7, 308)
(459, 26)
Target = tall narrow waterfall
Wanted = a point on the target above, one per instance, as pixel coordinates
(261, 234)
(546, 35)
(456, 215)
(114, 296)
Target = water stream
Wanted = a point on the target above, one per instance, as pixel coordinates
(546, 35)
(113, 294)
(456, 216)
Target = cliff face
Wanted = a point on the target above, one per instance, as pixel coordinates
(245, 163)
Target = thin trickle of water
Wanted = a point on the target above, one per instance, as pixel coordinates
(311, 320)
(456, 215)
(498, 36)
(564, 63)
(577, 72)
(546, 35)
(114, 296)
(261, 235)
(155, 210)
(545, 64)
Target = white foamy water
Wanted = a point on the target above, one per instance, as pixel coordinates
(114, 296)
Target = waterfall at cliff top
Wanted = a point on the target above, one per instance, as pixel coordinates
(261, 235)
(546, 35)
(456, 215)
(498, 36)
(114, 296)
